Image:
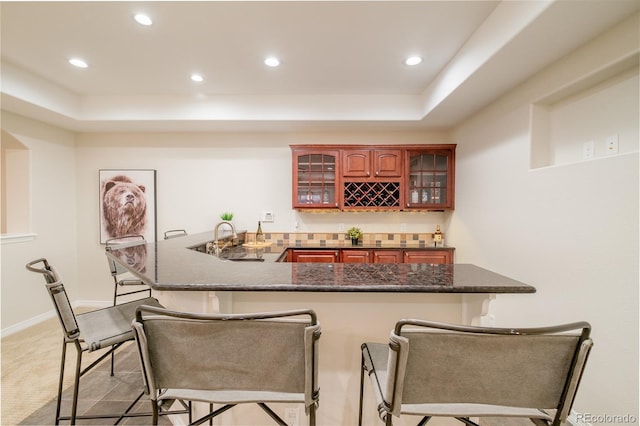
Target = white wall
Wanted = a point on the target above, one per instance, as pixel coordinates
(570, 230)
(200, 175)
(53, 220)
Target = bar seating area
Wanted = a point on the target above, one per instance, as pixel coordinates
(427, 369)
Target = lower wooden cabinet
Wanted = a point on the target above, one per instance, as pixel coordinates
(387, 256)
(371, 256)
(355, 256)
(320, 256)
(428, 256)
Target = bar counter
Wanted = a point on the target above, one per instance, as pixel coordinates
(355, 303)
(175, 265)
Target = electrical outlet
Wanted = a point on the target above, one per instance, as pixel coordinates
(587, 150)
(612, 145)
(267, 217)
(291, 417)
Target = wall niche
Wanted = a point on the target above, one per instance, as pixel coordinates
(576, 122)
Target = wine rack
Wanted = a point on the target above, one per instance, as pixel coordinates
(371, 194)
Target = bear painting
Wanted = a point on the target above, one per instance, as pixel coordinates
(124, 207)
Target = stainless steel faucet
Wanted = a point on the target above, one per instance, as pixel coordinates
(216, 248)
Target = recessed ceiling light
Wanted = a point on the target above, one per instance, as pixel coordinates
(76, 62)
(272, 61)
(413, 60)
(143, 19)
(197, 78)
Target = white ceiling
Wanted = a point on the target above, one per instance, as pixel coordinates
(342, 62)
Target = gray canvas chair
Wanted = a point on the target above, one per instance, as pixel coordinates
(103, 329)
(229, 359)
(431, 369)
(174, 233)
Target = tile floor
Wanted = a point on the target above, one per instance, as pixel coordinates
(30, 368)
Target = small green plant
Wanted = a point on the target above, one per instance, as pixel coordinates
(354, 233)
(226, 216)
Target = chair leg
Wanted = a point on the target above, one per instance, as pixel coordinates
(154, 412)
(424, 421)
(61, 380)
(272, 414)
(388, 419)
(312, 415)
(112, 362)
(466, 421)
(361, 389)
(76, 384)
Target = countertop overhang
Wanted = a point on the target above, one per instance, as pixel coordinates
(172, 265)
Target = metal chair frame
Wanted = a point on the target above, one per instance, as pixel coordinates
(174, 233)
(148, 313)
(74, 336)
(583, 346)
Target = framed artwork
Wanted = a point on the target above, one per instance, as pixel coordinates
(127, 204)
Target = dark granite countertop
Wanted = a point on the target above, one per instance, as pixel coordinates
(171, 265)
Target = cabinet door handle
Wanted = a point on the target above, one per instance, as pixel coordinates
(368, 173)
(408, 205)
(376, 173)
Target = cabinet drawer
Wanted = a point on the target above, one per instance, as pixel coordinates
(318, 256)
(428, 256)
(355, 256)
(387, 256)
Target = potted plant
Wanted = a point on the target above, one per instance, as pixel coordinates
(354, 233)
(226, 216)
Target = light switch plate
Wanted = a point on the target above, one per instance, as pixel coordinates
(587, 150)
(612, 145)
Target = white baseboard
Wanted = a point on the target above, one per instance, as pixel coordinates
(26, 324)
(23, 325)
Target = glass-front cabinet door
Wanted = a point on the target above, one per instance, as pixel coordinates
(430, 179)
(315, 178)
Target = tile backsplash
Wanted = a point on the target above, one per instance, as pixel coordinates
(336, 239)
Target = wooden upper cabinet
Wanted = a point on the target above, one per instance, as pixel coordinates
(316, 176)
(356, 163)
(387, 162)
(365, 163)
(374, 177)
(430, 178)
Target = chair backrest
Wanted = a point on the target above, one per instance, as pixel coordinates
(273, 352)
(132, 249)
(173, 233)
(441, 363)
(58, 294)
